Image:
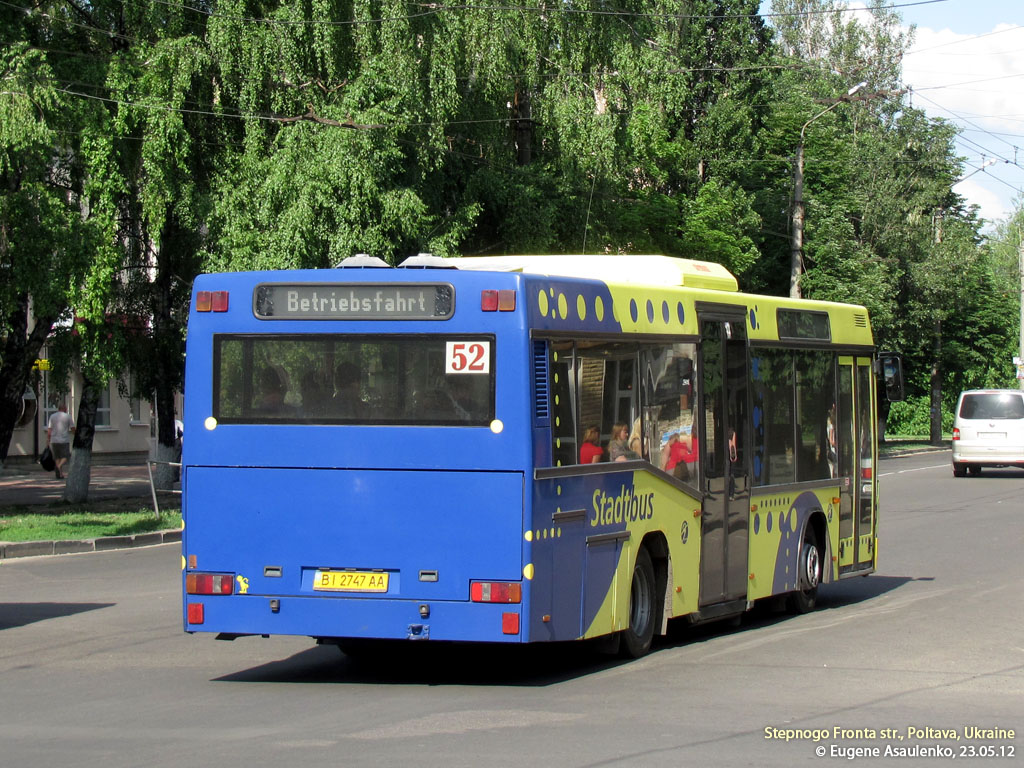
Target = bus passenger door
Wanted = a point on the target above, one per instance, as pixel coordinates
(856, 452)
(724, 455)
(846, 468)
(864, 493)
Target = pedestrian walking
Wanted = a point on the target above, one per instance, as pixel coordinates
(59, 429)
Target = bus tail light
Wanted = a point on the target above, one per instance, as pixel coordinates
(211, 301)
(496, 592)
(498, 301)
(209, 583)
(956, 433)
(865, 473)
(195, 613)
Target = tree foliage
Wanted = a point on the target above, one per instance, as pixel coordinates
(143, 142)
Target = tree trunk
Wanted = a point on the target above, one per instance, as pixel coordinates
(883, 414)
(19, 353)
(935, 438)
(168, 356)
(77, 489)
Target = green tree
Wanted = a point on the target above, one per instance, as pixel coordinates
(44, 232)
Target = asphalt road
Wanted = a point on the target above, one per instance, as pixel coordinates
(95, 670)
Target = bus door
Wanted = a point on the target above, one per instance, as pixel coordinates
(856, 449)
(725, 445)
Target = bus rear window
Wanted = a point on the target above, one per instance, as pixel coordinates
(347, 379)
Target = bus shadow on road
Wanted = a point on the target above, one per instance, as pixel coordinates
(858, 590)
(20, 614)
(436, 663)
(538, 665)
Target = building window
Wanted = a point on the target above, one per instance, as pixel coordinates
(135, 398)
(103, 408)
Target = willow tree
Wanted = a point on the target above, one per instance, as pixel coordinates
(45, 234)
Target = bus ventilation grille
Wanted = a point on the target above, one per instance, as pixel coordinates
(542, 411)
(861, 321)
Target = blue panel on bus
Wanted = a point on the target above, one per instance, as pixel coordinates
(432, 531)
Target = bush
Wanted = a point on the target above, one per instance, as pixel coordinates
(912, 417)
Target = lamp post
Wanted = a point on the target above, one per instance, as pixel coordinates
(796, 263)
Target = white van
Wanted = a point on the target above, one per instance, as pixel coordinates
(988, 430)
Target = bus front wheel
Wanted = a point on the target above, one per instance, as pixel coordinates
(808, 575)
(636, 640)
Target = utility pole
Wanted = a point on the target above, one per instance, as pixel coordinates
(796, 256)
(1020, 269)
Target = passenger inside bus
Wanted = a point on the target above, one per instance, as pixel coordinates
(591, 450)
(618, 446)
(273, 386)
(679, 452)
(347, 399)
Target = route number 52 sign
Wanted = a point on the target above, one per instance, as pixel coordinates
(467, 357)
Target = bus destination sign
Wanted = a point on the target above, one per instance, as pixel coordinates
(354, 301)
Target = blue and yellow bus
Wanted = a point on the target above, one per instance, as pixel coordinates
(519, 449)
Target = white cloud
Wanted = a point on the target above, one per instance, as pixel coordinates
(975, 81)
(991, 206)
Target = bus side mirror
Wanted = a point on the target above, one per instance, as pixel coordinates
(892, 375)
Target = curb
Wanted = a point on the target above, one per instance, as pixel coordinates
(12, 549)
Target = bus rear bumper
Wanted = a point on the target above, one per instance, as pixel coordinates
(376, 618)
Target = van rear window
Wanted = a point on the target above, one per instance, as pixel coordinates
(992, 405)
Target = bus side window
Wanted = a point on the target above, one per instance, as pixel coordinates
(606, 389)
(774, 395)
(816, 395)
(673, 443)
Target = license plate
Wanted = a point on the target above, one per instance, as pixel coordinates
(993, 435)
(350, 581)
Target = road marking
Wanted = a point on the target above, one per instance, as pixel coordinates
(918, 469)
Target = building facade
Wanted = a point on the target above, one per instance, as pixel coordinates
(124, 425)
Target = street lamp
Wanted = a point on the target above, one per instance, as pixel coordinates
(796, 263)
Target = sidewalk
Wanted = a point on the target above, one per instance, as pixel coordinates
(29, 484)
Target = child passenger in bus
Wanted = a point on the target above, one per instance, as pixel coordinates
(618, 446)
(591, 450)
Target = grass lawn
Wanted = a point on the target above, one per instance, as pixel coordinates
(103, 517)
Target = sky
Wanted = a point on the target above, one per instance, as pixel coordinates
(967, 66)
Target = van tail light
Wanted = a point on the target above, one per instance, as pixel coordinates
(956, 433)
(496, 592)
(209, 583)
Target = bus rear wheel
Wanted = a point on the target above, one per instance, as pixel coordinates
(808, 575)
(636, 640)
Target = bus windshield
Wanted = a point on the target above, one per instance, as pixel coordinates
(345, 379)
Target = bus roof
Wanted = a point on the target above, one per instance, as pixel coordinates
(650, 270)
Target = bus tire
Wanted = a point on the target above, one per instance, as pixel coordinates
(809, 567)
(636, 639)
